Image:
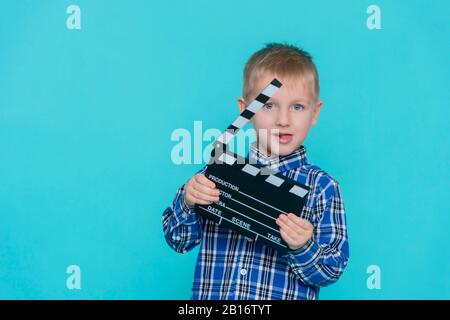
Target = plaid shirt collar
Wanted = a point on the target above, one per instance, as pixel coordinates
(294, 160)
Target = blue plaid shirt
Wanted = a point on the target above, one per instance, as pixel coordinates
(231, 266)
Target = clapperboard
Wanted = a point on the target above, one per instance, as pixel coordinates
(251, 197)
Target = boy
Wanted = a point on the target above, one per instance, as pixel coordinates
(231, 266)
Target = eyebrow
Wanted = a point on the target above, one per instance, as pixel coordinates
(300, 101)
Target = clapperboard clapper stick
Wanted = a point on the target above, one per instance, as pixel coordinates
(251, 197)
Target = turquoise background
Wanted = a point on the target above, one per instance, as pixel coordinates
(86, 118)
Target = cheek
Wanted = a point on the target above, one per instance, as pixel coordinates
(261, 121)
(303, 123)
(262, 125)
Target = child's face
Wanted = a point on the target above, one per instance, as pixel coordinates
(283, 123)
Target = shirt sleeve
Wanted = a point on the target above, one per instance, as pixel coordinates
(182, 227)
(322, 260)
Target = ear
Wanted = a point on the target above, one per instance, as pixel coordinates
(317, 109)
(241, 104)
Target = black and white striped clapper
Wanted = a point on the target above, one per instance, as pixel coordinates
(251, 197)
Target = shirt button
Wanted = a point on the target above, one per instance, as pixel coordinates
(243, 272)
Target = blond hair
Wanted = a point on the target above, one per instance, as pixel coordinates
(284, 60)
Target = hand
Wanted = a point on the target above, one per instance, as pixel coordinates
(200, 190)
(294, 230)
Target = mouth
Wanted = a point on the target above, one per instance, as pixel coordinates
(284, 138)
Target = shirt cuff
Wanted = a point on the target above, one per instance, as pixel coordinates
(182, 212)
(306, 255)
(186, 209)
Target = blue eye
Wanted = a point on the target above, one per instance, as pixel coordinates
(268, 106)
(298, 107)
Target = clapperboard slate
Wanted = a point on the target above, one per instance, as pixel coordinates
(251, 197)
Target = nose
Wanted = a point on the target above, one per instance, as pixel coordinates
(282, 117)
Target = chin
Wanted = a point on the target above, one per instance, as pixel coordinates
(287, 152)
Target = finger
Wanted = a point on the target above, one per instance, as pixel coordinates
(288, 222)
(206, 190)
(286, 237)
(203, 202)
(295, 233)
(199, 196)
(302, 223)
(282, 223)
(292, 233)
(205, 181)
(193, 199)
